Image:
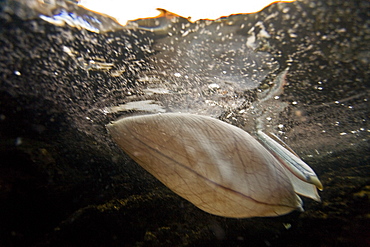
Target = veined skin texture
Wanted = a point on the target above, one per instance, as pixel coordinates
(218, 167)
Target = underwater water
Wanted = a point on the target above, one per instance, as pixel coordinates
(299, 70)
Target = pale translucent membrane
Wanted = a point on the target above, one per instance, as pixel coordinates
(218, 167)
(303, 188)
(303, 177)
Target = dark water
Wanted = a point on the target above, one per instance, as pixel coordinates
(64, 182)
